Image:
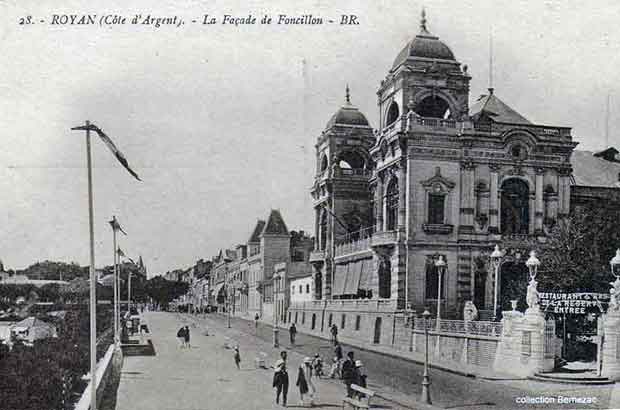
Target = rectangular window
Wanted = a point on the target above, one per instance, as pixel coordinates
(300, 289)
(307, 288)
(303, 317)
(342, 321)
(358, 320)
(436, 208)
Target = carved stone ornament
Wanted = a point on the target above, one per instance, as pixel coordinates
(438, 179)
(470, 312)
(614, 292)
(468, 164)
(533, 297)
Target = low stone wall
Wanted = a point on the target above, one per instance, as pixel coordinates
(361, 322)
(108, 367)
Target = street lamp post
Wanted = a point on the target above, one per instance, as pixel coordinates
(614, 263)
(228, 299)
(276, 343)
(532, 265)
(440, 263)
(426, 382)
(496, 258)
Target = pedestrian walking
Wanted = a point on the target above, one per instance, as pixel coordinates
(310, 378)
(181, 337)
(237, 357)
(348, 373)
(256, 317)
(187, 344)
(317, 365)
(280, 379)
(302, 381)
(361, 373)
(335, 369)
(292, 331)
(334, 332)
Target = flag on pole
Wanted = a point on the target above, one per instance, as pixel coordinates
(116, 226)
(107, 141)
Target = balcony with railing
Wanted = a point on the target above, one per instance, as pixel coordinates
(354, 241)
(384, 238)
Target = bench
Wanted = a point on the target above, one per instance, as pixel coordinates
(361, 399)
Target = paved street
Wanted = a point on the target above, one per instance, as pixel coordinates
(402, 378)
(205, 377)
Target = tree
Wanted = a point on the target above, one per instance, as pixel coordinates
(163, 291)
(577, 253)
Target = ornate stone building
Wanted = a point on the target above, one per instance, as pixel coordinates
(437, 178)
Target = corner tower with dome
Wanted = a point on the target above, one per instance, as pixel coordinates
(437, 178)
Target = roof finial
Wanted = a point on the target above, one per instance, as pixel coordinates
(423, 21)
(348, 95)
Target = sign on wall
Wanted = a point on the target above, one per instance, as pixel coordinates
(572, 303)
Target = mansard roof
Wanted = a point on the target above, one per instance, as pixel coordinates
(491, 107)
(275, 224)
(255, 238)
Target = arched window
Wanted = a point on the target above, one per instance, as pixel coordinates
(515, 207)
(392, 114)
(435, 107)
(391, 205)
(351, 160)
(323, 163)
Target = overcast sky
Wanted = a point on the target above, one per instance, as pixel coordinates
(220, 122)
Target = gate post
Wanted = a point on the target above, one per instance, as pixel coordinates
(611, 345)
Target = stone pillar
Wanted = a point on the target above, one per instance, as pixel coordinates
(379, 203)
(402, 196)
(539, 210)
(467, 196)
(494, 200)
(564, 192)
(317, 228)
(611, 345)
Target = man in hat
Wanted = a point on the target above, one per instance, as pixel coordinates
(280, 378)
(348, 373)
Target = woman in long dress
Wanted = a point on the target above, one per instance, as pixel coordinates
(302, 382)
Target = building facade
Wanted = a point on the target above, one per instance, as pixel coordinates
(438, 179)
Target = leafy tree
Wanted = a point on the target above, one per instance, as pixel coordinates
(577, 254)
(163, 291)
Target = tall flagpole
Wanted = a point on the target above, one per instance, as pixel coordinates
(93, 279)
(129, 292)
(113, 223)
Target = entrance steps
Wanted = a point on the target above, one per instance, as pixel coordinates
(587, 378)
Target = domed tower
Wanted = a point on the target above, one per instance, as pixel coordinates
(341, 195)
(426, 78)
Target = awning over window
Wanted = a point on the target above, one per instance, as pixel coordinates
(340, 278)
(353, 278)
(217, 289)
(365, 275)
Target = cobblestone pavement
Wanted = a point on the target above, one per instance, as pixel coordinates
(205, 377)
(402, 379)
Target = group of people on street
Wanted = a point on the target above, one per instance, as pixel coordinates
(183, 336)
(305, 380)
(351, 372)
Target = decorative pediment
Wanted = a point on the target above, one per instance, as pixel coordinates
(438, 183)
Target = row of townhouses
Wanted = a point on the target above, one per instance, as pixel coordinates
(259, 277)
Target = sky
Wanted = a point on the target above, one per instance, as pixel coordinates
(220, 121)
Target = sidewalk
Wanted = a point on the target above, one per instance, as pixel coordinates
(459, 368)
(205, 376)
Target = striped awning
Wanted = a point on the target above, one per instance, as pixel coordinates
(366, 269)
(340, 278)
(353, 278)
